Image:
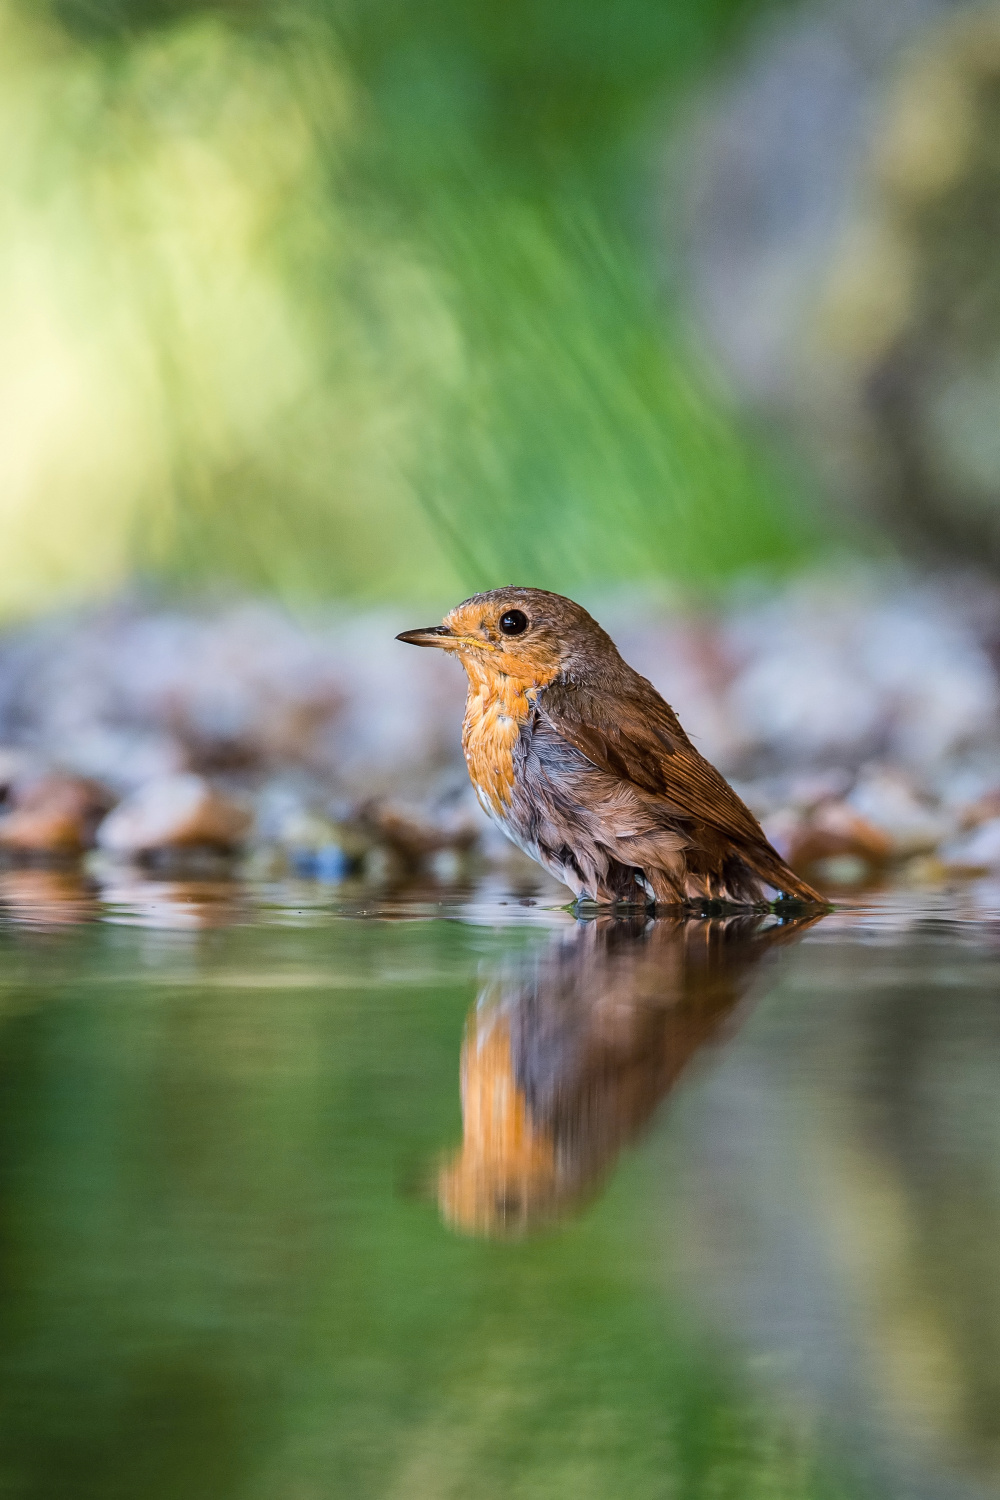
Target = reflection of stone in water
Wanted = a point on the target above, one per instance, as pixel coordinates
(565, 1059)
(46, 897)
(134, 902)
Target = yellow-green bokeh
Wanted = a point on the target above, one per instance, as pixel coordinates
(254, 332)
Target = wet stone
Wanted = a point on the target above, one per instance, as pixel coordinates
(836, 841)
(53, 815)
(323, 746)
(175, 812)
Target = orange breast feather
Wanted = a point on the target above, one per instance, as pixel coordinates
(494, 712)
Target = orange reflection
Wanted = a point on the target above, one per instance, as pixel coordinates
(565, 1060)
(134, 901)
(40, 897)
(505, 1164)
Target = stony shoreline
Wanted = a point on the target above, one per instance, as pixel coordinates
(859, 715)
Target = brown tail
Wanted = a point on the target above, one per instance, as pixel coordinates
(735, 871)
(769, 866)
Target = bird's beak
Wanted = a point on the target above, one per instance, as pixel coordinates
(431, 635)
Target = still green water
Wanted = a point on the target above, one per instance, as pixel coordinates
(246, 1250)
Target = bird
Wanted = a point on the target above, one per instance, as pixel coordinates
(583, 765)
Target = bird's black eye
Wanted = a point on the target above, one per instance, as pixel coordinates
(514, 622)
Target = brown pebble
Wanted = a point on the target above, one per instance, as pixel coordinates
(55, 814)
(983, 810)
(174, 812)
(413, 838)
(834, 830)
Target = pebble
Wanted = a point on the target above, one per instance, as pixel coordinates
(978, 851)
(174, 812)
(836, 832)
(887, 797)
(858, 714)
(982, 809)
(52, 815)
(415, 838)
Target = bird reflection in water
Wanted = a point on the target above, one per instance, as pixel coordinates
(566, 1057)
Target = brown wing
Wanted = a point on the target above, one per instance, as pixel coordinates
(626, 729)
(637, 737)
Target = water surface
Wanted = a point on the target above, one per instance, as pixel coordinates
(720, 1218)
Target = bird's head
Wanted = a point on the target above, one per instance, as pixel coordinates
(527, 634)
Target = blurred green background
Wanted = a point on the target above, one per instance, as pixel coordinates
(358, 300)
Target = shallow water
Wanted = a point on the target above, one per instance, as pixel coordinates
(722, 1217)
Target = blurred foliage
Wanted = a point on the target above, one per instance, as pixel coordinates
(350, 299)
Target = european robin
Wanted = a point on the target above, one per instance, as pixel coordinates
(584, 766)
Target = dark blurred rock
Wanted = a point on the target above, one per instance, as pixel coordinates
(175, 812)
(413, 835)
(14, 764)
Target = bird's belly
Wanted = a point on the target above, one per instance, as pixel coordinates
(510, 821)
(495, 796)
(510, 824)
